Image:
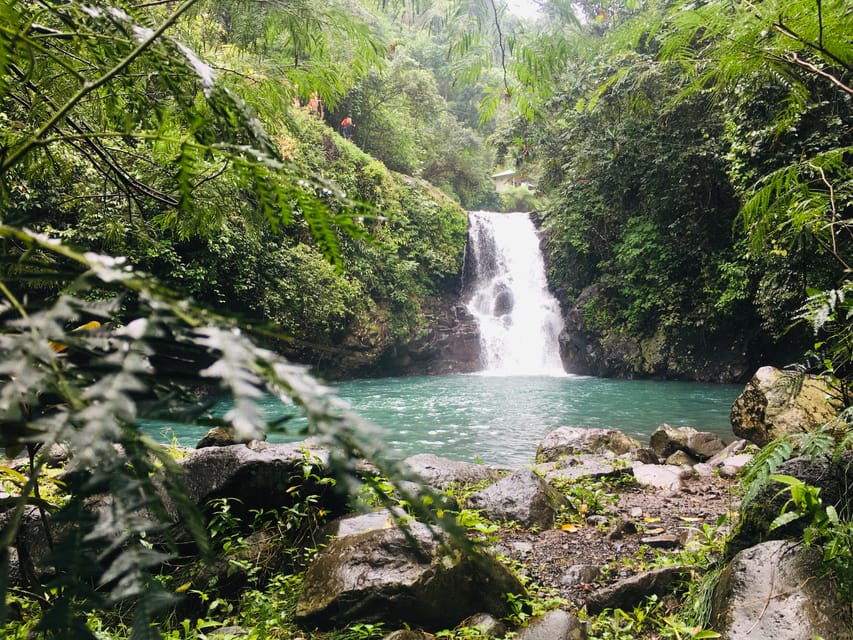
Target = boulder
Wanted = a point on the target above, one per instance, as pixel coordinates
(568, 441)
(221, 437)
(681, 459)
(667, 439)
(732, 449)
(442, 473)
(626, 594)
(658, 476)
(778, 591)
(487, 625)
(385, 576)
(260, 477)
(554, 625)
(587, 466)
(704, 445)
(776, 403)
(521, 497)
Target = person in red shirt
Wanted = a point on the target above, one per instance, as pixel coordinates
(347, 127)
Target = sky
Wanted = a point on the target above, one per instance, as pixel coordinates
(523, 8)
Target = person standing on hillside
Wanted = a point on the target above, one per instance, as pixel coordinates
(346, 127)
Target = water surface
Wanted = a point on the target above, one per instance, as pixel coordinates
(501, 419)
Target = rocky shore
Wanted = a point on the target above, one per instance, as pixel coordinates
(600, 523)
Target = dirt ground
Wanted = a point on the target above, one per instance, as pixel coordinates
(616, 542)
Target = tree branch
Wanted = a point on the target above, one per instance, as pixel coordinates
(793, 57)
(89, 87)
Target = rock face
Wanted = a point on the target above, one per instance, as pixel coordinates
(451, 344)
(616, 354)
(380, 576)
(522, 497)
(776, 403)
(774, 591)
(567, 441)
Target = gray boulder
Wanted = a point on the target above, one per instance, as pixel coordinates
(627, 593)
(522, 497)
(704, 445)
(383, 576)
(442, 473)
(778, 591)
(587, 466)
(776, 403)
(568, 441)
(732, 449)
(667, 439)
(221, 437)
(658, 476)
(554, 625)
(260, 477)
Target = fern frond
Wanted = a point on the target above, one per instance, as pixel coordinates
(757, 473)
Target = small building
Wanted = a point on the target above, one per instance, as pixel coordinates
(506, 180)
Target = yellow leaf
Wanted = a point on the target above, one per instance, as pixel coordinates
(183, 587)
(569, 527)
(689, 519)
(650, 519)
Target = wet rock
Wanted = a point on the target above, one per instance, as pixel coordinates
(442, 473)
(567, 441)
(521, 497)
(776, 403)
(554, 625)
(627, 593)
(381, 576)
(778, 591)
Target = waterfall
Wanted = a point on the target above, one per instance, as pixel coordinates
(519, 319)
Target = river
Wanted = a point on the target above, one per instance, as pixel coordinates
(500, 415)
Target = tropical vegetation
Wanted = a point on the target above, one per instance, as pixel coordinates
(178, 214)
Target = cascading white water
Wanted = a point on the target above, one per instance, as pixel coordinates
(519, 319)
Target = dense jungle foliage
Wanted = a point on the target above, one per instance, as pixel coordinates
(175, 194)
